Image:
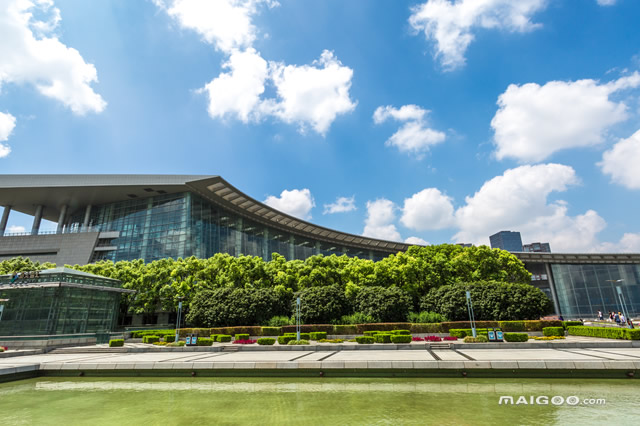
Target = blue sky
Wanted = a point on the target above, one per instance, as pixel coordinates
(428, 121)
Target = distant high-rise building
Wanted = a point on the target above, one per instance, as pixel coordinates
(506, 240)
(464, 244)
(537, 248)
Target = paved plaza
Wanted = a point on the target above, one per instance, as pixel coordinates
(592, 359)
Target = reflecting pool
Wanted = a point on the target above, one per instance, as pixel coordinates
(317, 401)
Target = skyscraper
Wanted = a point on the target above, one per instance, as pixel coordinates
(537, 248)
(506, 240)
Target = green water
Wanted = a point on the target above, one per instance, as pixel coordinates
(313, 401)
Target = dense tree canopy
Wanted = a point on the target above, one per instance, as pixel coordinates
(419, 270)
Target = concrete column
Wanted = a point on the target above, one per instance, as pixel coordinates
(87, 215)
(61, 218)
(4, 220)
(36, 220)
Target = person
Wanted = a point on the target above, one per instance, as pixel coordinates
(616, 318)
(610, 316)
(622, 319)
(599, 315)
(630, 323)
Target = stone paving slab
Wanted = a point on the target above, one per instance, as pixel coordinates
(449, 355)
(523, 355)
(410, 355)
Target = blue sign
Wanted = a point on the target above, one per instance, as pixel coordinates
(492, 335)
(188, 340)
(499, 335)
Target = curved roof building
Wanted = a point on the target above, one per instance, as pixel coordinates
(125, 217)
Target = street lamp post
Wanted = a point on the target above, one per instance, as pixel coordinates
(472, 318)
(178, 319)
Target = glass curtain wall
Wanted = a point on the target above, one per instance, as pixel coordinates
(583, 290)
(183, 225)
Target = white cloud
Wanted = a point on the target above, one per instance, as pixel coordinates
(518, 200)
(15, 229)
(622, 162)
(535, 121)
(413, 136)
(312, 94)
(7, 124)
(307, 95)
(341, 205)
(451, 24)
(416, 241)
(428, 209)
(226, 24)
(237, 92)
(629, 243)
(31, 54)
(297, 202)
(606, 2)
(379, 222)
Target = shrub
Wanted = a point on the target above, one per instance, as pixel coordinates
(242, 336)
(214, 337)
(479, 339)
(405, 332)
(432, 339)
(266, 341)
(516, 337)
(371, 332)
(401, 338)
(150, 339)
(492, 300)
(271, 331)
(178, 343)
(383, 304)
(280, 320)
(223, 338)
(417, 339)
(345, 329)
(138, 334)
(230, 306)
(283, 340)
(244, 342)
(538, 325)
(426, 328)
(462, 332)
(308, 328)
(364, 340)
(200, 332)
(331, 340)
(604, 332)
(318, 335)
(170, 338)
(298, 342)
(204, 341)
(566, 324)
(446, 326)
(449, 338)
(232, 331)
(425, 317)
(546, 337)
(383, 338)
(553, 331)
(512, 325)
(322, 304)
(113, 343)
(382, 326)
(303, 336)
(356, 318)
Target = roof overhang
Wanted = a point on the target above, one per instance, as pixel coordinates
(579, 258)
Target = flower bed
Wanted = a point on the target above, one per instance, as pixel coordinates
(244, 341)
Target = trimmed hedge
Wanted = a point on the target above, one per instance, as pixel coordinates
(401, 332)
(297, 342)
(318, 335)
(345, 329)
(365, 340)
(204, 341)
(283, 340)
(150, 339)
(604, 332)
(204, 332)
(113, 343)
(516, 337)
(308, 328)
(566, 324)
(426, 328)
(178, 343)
(138, 334)
(303, 336)
(538, 325)
(463, 332)
(372, 333)
(170, 338)
(266, 341)
(232, 331)
(512, 325)
(241, 336)
(383, 338)
(269, 331)
(479, 339)
(382, 326)
(553, 331)
(223, 338)
(401, 338)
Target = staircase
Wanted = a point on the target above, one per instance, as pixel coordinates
(438, 346)
(87, 350)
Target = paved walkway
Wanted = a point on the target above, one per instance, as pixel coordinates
(573, 359)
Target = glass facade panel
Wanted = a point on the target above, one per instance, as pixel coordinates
(583, 290)
(184, 224)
